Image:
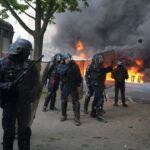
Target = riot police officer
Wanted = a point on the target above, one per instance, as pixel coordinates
(120, 74)
(97, 74)
(71, 79)
(10, 68)
(53, 82)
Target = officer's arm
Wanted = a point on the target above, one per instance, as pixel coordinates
(6, 85)
(87, 75)
(3, 85)
(113, 75)
(62, 68)
(126, 74)
(108, 69)
(50, 69)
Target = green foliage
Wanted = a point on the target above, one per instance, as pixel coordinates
(44, 14)
(3, 14)
(21, 6)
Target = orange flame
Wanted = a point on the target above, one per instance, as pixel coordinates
(139, 62)
(83, 55)
(134, 75)
(83, 65)
(79, 46)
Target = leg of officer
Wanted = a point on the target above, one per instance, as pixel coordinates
(8, 124)
(116, 94)
(76, 106)
(87, 99)
(47, 99)
(122, 90)
(53, 97)
(64, 99)
(24, 139)
(99, 106)
(95, 101)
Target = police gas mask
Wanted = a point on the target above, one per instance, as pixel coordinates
(98, 60)
(67, 58)
(58, 57)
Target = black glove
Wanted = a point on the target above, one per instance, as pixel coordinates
(7, 86)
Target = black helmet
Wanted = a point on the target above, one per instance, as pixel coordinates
(20, 47)
(68, 55)
(98, 59)
(58, 57)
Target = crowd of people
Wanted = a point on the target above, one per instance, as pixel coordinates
(63, 72)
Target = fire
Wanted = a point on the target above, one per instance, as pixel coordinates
(80, 49)
(83, 65)
(83, 55)
(139, 63)
(134, 75)
(79, 46)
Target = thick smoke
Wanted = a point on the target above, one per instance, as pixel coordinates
(122, 25)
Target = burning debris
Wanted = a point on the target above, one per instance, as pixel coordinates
(135, 76)
(80, 49)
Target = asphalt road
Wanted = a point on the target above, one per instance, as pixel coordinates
(127, 128)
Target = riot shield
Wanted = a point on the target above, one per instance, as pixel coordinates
(29, 95)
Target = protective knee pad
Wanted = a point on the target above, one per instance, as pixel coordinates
(76, 106)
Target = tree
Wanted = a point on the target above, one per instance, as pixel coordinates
(44, 14)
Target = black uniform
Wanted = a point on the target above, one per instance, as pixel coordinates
(97, 74)
(53, 85)
(71, 79)
(120, 74)
(9, 72)
(10, 69)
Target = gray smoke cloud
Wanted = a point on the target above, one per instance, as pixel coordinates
(107, 24)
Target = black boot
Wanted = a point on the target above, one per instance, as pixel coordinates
(93, 112)
(99, 112)
(102, 109)
(124, 104)
(86, 103)
(47, 99)
(77, 113)
(24, 140)
(115, 102)
(8, 142)
(64, 110)
(52, 102)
